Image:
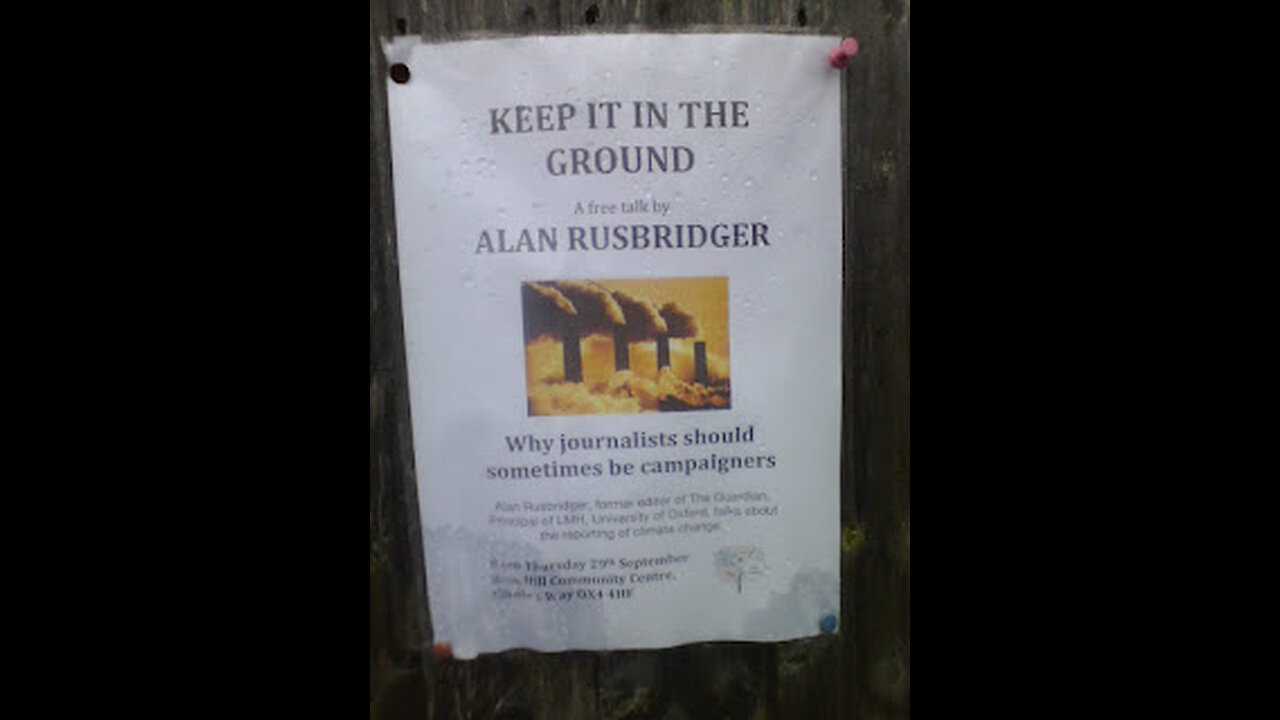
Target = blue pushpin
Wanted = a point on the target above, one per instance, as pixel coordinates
(828, 623)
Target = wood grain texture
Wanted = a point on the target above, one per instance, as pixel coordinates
(864, 671)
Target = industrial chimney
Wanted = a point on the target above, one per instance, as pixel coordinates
(664, 352)
(621, 351)
(700, 362)
(572, 356)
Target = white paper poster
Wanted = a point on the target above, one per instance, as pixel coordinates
(620, 261)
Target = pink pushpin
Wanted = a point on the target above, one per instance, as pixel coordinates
(840, 56)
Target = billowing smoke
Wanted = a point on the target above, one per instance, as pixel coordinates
(688, 396)
(597, 310)
(546, 311)
(644, 321)
(679, 322)
(569, 307)
(624, 393)
(569, 310)
(682, 361)
(585, 307)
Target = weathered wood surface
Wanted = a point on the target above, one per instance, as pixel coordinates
(864, 671)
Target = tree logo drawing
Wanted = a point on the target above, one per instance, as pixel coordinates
(734, 564)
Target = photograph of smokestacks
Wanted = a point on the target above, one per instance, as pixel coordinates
(626, 346)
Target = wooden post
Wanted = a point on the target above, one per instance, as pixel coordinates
(863, 671)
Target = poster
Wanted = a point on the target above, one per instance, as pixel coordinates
(620, 264)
